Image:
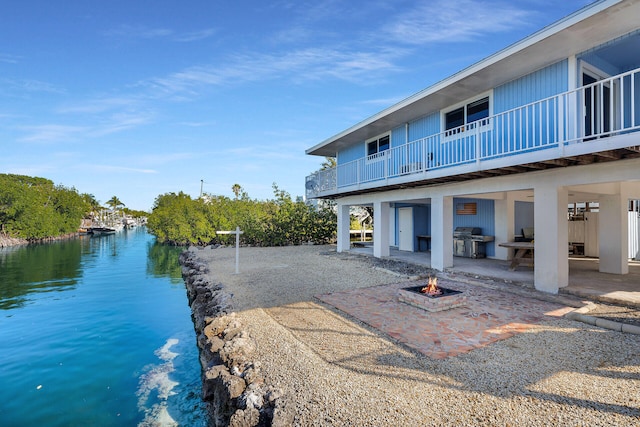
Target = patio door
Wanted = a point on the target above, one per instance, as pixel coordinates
(405, 229)
(598, 113)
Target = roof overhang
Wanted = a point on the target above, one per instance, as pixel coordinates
(591, 26)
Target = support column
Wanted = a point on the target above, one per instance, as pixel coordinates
(551, 253)
(381, 229)
(613, 234)
(504, 224)
(344, 225)
(441, 232)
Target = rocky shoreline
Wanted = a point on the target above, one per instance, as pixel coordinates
(7, 241)
(233, 388)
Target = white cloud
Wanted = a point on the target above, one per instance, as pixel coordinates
(143, 32)
(300, 65)
(9, 58)
(120, 122)
(98, 105)
(52, 133)
(456, 21)
(29, 85)
(138, 31)
(195, 35)
(114, 168)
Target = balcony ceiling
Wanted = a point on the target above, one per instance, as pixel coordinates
(592, 26)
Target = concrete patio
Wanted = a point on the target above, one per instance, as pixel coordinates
(584, 278)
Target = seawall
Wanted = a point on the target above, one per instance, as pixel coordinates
(233, 388)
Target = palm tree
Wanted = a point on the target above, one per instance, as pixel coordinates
(114, 202)
(237, 189)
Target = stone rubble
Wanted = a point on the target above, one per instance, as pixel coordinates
(233, 386)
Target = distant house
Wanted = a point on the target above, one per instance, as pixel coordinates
(506, 145)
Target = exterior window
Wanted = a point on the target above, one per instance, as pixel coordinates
(456, 120)
(377, 145)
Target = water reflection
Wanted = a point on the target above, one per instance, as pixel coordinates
(35, 269)
(163, 262)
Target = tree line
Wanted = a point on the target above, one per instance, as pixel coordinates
(180, 220)
(35, 208)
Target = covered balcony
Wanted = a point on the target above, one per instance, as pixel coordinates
(595, 123)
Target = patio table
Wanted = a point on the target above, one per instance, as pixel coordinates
(523, 254)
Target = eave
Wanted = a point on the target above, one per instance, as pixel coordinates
(586, 28)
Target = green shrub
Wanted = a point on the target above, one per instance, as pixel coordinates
(177, 219)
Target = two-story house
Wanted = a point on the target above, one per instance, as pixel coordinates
(504, 145)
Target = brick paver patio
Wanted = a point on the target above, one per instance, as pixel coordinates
(488, 316)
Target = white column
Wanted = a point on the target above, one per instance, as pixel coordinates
(504, 225)
(344, 225)
(392, 226)
(551, 253)
(613, 234)
(381, 229)
(441, 232)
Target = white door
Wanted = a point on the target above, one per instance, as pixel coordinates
(405, 228)
(591, 245)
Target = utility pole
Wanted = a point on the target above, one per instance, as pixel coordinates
(201, 183)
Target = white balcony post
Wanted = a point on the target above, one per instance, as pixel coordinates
(441, 232)
(478, 144)
(551, 247)
(381, 229)
(344, 226)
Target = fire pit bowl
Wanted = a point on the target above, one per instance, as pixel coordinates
(445, 300)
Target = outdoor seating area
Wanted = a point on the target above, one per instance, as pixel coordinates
(584, 277)
(488, 316)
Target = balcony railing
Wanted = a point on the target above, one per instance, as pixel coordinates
(603, 109)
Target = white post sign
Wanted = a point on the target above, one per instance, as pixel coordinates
(237, 232)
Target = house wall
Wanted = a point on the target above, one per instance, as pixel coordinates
(424, 126)
(538, 85)
(523, 212)
(421, 222)
(484, 218)
(398, 136)
(541, 84)
(350, 154)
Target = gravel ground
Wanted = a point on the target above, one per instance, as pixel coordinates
(338, 371)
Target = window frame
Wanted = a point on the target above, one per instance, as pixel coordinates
(378, 152)
(457, 131)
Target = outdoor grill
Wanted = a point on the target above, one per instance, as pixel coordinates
(469, 242)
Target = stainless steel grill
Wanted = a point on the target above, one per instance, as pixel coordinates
(469, 242)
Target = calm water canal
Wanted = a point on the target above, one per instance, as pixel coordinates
(97, 332)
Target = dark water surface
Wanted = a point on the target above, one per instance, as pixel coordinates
(96, 332)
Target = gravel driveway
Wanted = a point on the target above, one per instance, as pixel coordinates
(338, 371)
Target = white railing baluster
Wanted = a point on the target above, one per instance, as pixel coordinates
(633, 100)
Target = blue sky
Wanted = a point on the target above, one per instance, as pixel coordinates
(140, 98)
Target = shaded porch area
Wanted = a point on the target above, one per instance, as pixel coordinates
(585, 279)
